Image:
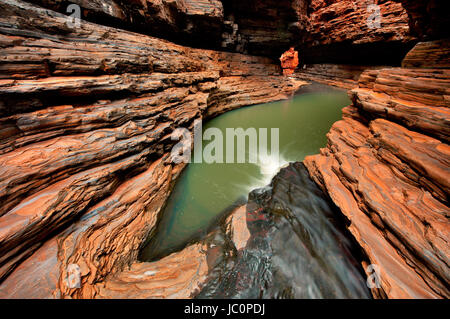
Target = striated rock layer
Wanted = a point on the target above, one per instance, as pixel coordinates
(246, 26)
(349, 20)
(344, 76)
(193, 22)
(344, 38)
(286, 243)
(86, 114)
(86, 117)
(387, 167)
(359, 32)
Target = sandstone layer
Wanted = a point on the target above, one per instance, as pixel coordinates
(387, 167)
(87, 111)
(356, 32)
(193, 22)
(246, 26)
(343, 76)
(86, 119)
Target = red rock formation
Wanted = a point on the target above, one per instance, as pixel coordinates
(85, 121)
(86, 115)
(178, 276)
(347, 37)
(289, 61)
(339, 75)
(341, 43)
(429, 55)
(245, 26)
(348, 20)
(194, 22)
(387, 167)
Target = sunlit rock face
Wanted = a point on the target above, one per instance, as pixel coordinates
(289, 61)
(194, 22)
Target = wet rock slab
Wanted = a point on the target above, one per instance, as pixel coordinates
(289, 244)
(86, 116)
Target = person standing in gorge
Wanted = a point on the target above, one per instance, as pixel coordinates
(289, 61)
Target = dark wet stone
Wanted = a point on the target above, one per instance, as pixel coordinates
(298, 247)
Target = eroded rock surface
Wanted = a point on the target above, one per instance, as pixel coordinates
(178, 276)
(289, 61)
(429, 55)
(86, 116)
(252, 27)
(387, 167)
(193, 22)
(343, 76)
(356, 32)
(346, 38)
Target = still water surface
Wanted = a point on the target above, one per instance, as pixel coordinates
(204, 191)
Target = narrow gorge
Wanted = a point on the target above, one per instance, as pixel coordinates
(93, 204)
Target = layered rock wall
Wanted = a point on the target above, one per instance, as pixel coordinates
(188, 22)
(344, 38)
(356, 32)
(387, 167)
(264, 28)
(87, 110)
(86, 119)
(339, 75)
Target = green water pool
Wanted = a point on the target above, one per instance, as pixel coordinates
(204, 191)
